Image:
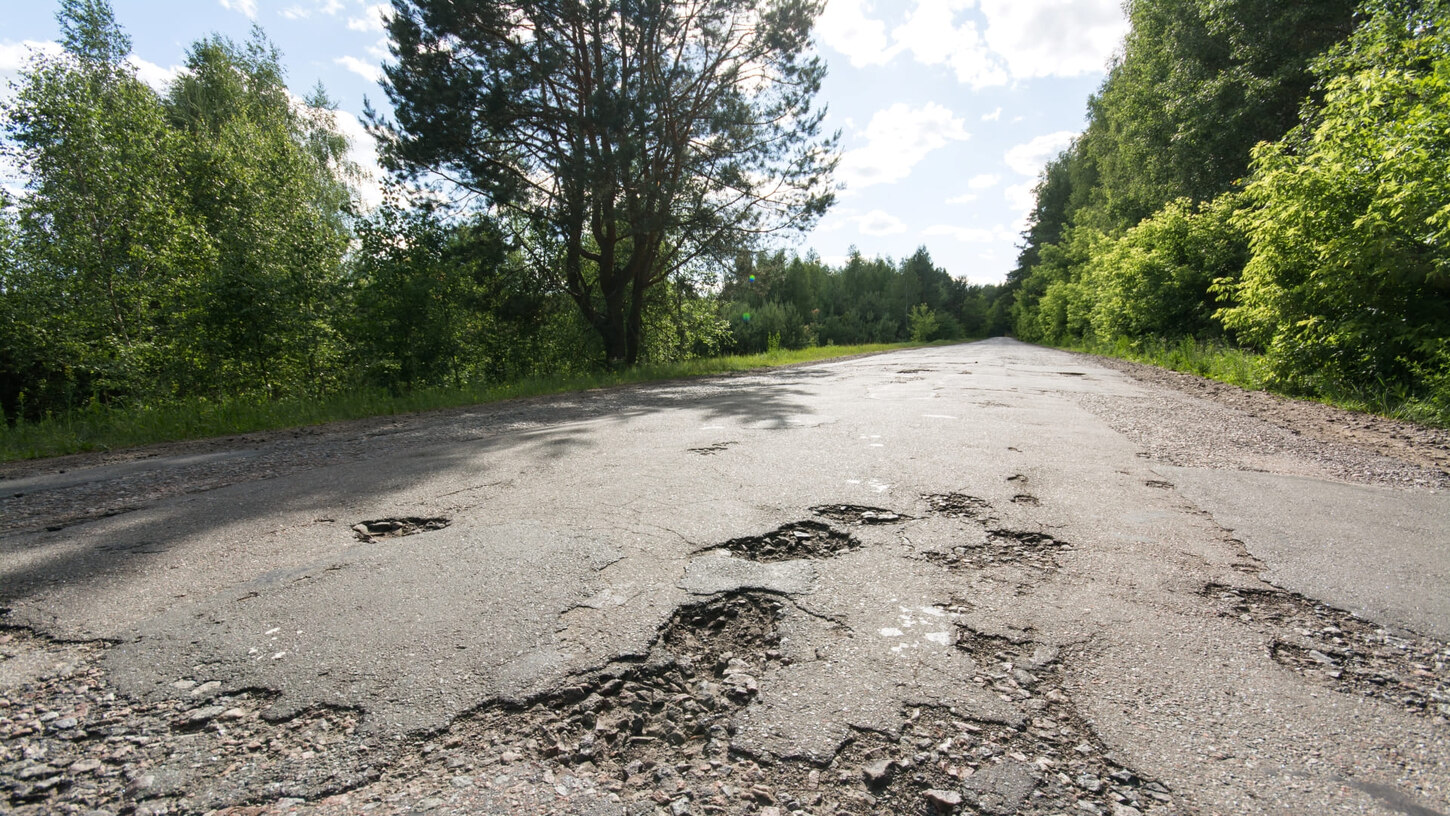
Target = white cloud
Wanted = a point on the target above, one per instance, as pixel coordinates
(845, 27)
(158, 78)
(1003, 40)
(1040, 38)
(931, 34)
(372, 19)
(15, 56)
(878, 223)
(362, 151)
(965, 198)
(1029, 159)
(247, 7)
(983, 181)
(296, 13)
(897, 139)
(370, 71)
(993, 116)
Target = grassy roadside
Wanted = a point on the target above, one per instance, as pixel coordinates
(1246, 369)
(107, 428)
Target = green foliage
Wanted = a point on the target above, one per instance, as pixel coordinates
(923, 323)
(805, 302)
(265, 179)
(104, 251)
(190, 245)
(1349, 284)
(1157, 280)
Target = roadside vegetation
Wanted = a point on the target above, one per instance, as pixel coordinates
(1260, 196)
(195, 260)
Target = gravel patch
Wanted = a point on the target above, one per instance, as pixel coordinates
(1191, 421)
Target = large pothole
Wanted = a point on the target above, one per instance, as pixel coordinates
(70, 743)
(1053, 763)
(801, 539)
(1353, 655)
(1030, 549)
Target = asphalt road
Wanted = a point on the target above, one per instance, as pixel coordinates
(1018, 559)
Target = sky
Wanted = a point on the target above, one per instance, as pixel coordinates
(947, 109)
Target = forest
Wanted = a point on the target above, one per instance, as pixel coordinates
(1262, 181)
(205, 244)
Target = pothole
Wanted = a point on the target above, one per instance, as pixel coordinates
(1027, 499)
(633, 722)
(70, 743)
(801, 539)
(915, 371)
(398, 527)
(857, 514)
(1012, 547)
(1350, 654)
(960, 505)
(1055, 762)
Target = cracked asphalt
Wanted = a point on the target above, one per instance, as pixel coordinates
(932, 581)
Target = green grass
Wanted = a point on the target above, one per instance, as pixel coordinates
(108, 428)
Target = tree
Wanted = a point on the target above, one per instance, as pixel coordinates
(108, 246)
(621, 141)
(1348, 287)
(269, 180)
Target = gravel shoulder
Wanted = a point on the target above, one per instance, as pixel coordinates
(1256, 430)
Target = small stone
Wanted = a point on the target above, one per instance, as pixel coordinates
(462, 781)
(1084, 749)
(1090, 783)
(36, 771)
(208, 686)
(1087, 807)
(877, 773)
(509, 757)
(1024, 678)
(64, 723)
(680, 807)
(81, 766)
(943, 800)
(1126, 810)
(200, 716)
(430, 803)
(183, 685)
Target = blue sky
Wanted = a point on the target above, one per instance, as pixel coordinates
(947, 108)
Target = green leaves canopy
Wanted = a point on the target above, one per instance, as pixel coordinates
(624, 140)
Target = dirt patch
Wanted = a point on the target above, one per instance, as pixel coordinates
(802, 539)
(397, 527)
(1352, 655)
(69, 743)
(1055, 763)
(857, 514)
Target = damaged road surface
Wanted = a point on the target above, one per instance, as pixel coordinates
(999, 585)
